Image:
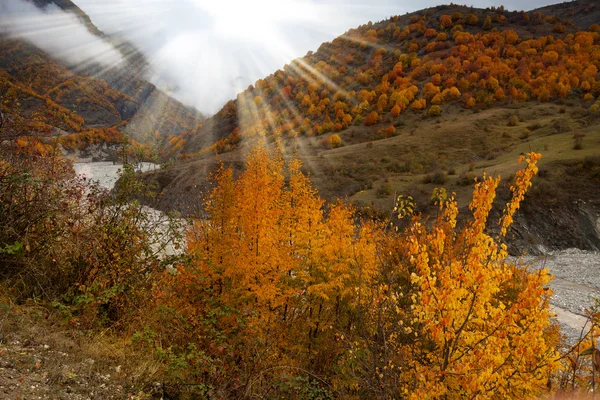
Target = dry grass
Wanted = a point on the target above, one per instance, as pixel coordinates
(53, 359)
(461, 141)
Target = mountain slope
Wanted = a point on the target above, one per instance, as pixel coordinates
(582, 13)
(90, 102)
(69, 6)
(491, 56)
(433, 98)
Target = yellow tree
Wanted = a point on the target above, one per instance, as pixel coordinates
(480, 323)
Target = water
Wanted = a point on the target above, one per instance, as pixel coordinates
(106, 173)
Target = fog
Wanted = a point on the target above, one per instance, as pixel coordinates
(60, 34)
(205, 52)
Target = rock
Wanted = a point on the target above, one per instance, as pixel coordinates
(126, 108)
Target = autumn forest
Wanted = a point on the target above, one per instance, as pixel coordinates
(358, 224)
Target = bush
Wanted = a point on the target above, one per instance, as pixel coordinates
(372, 118)
(434, 111)
(513, 120)
(334, 141)
(65, 240)
(384, 190)
(591, 162)
(319, 314)
(438, 177)
(578, 141)
(561, 125)
(524, 135)
(465, 179)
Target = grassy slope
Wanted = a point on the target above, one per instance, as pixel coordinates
(461, 141)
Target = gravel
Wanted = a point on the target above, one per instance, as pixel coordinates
(106, 173)
(576, 285)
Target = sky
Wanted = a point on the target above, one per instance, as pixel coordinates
(205, 52)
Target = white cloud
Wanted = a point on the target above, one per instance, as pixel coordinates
(59, 33)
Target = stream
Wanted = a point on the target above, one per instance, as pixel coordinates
(106, 173)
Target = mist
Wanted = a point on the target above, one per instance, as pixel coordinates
(205, 52)
(58, 33)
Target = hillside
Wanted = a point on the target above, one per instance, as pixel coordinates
(353, 239)
(489, 57)
(85, 103)
(422, 100)
(582, 13)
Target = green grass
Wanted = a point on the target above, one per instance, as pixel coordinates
(480, 142)
(458, 140)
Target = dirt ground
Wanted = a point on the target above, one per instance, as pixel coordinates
(42, 358)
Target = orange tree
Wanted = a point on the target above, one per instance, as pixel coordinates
(282, 295)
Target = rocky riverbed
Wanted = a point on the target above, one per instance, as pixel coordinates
(106, 173)
(576, 285)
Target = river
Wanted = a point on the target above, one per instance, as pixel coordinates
(106, 173)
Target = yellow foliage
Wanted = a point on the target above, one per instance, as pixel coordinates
(334, 141)
(425, 312)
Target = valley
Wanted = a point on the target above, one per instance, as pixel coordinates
(411, 210)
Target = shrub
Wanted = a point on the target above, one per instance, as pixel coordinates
(372, 118)
(419, 104)
(513, 120)
(334, 141)
(384, 190)
(438, 177)
(234, 300)
(465, 179)
(390, 131)
(62, 239)
(434, 111)
(578, 141)
(534, 127)
(558, 28)
(561, 125)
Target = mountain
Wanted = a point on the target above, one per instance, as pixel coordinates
(582, 13)
(432, 98)
(86, 103)
(363, 58)
(69, 6)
